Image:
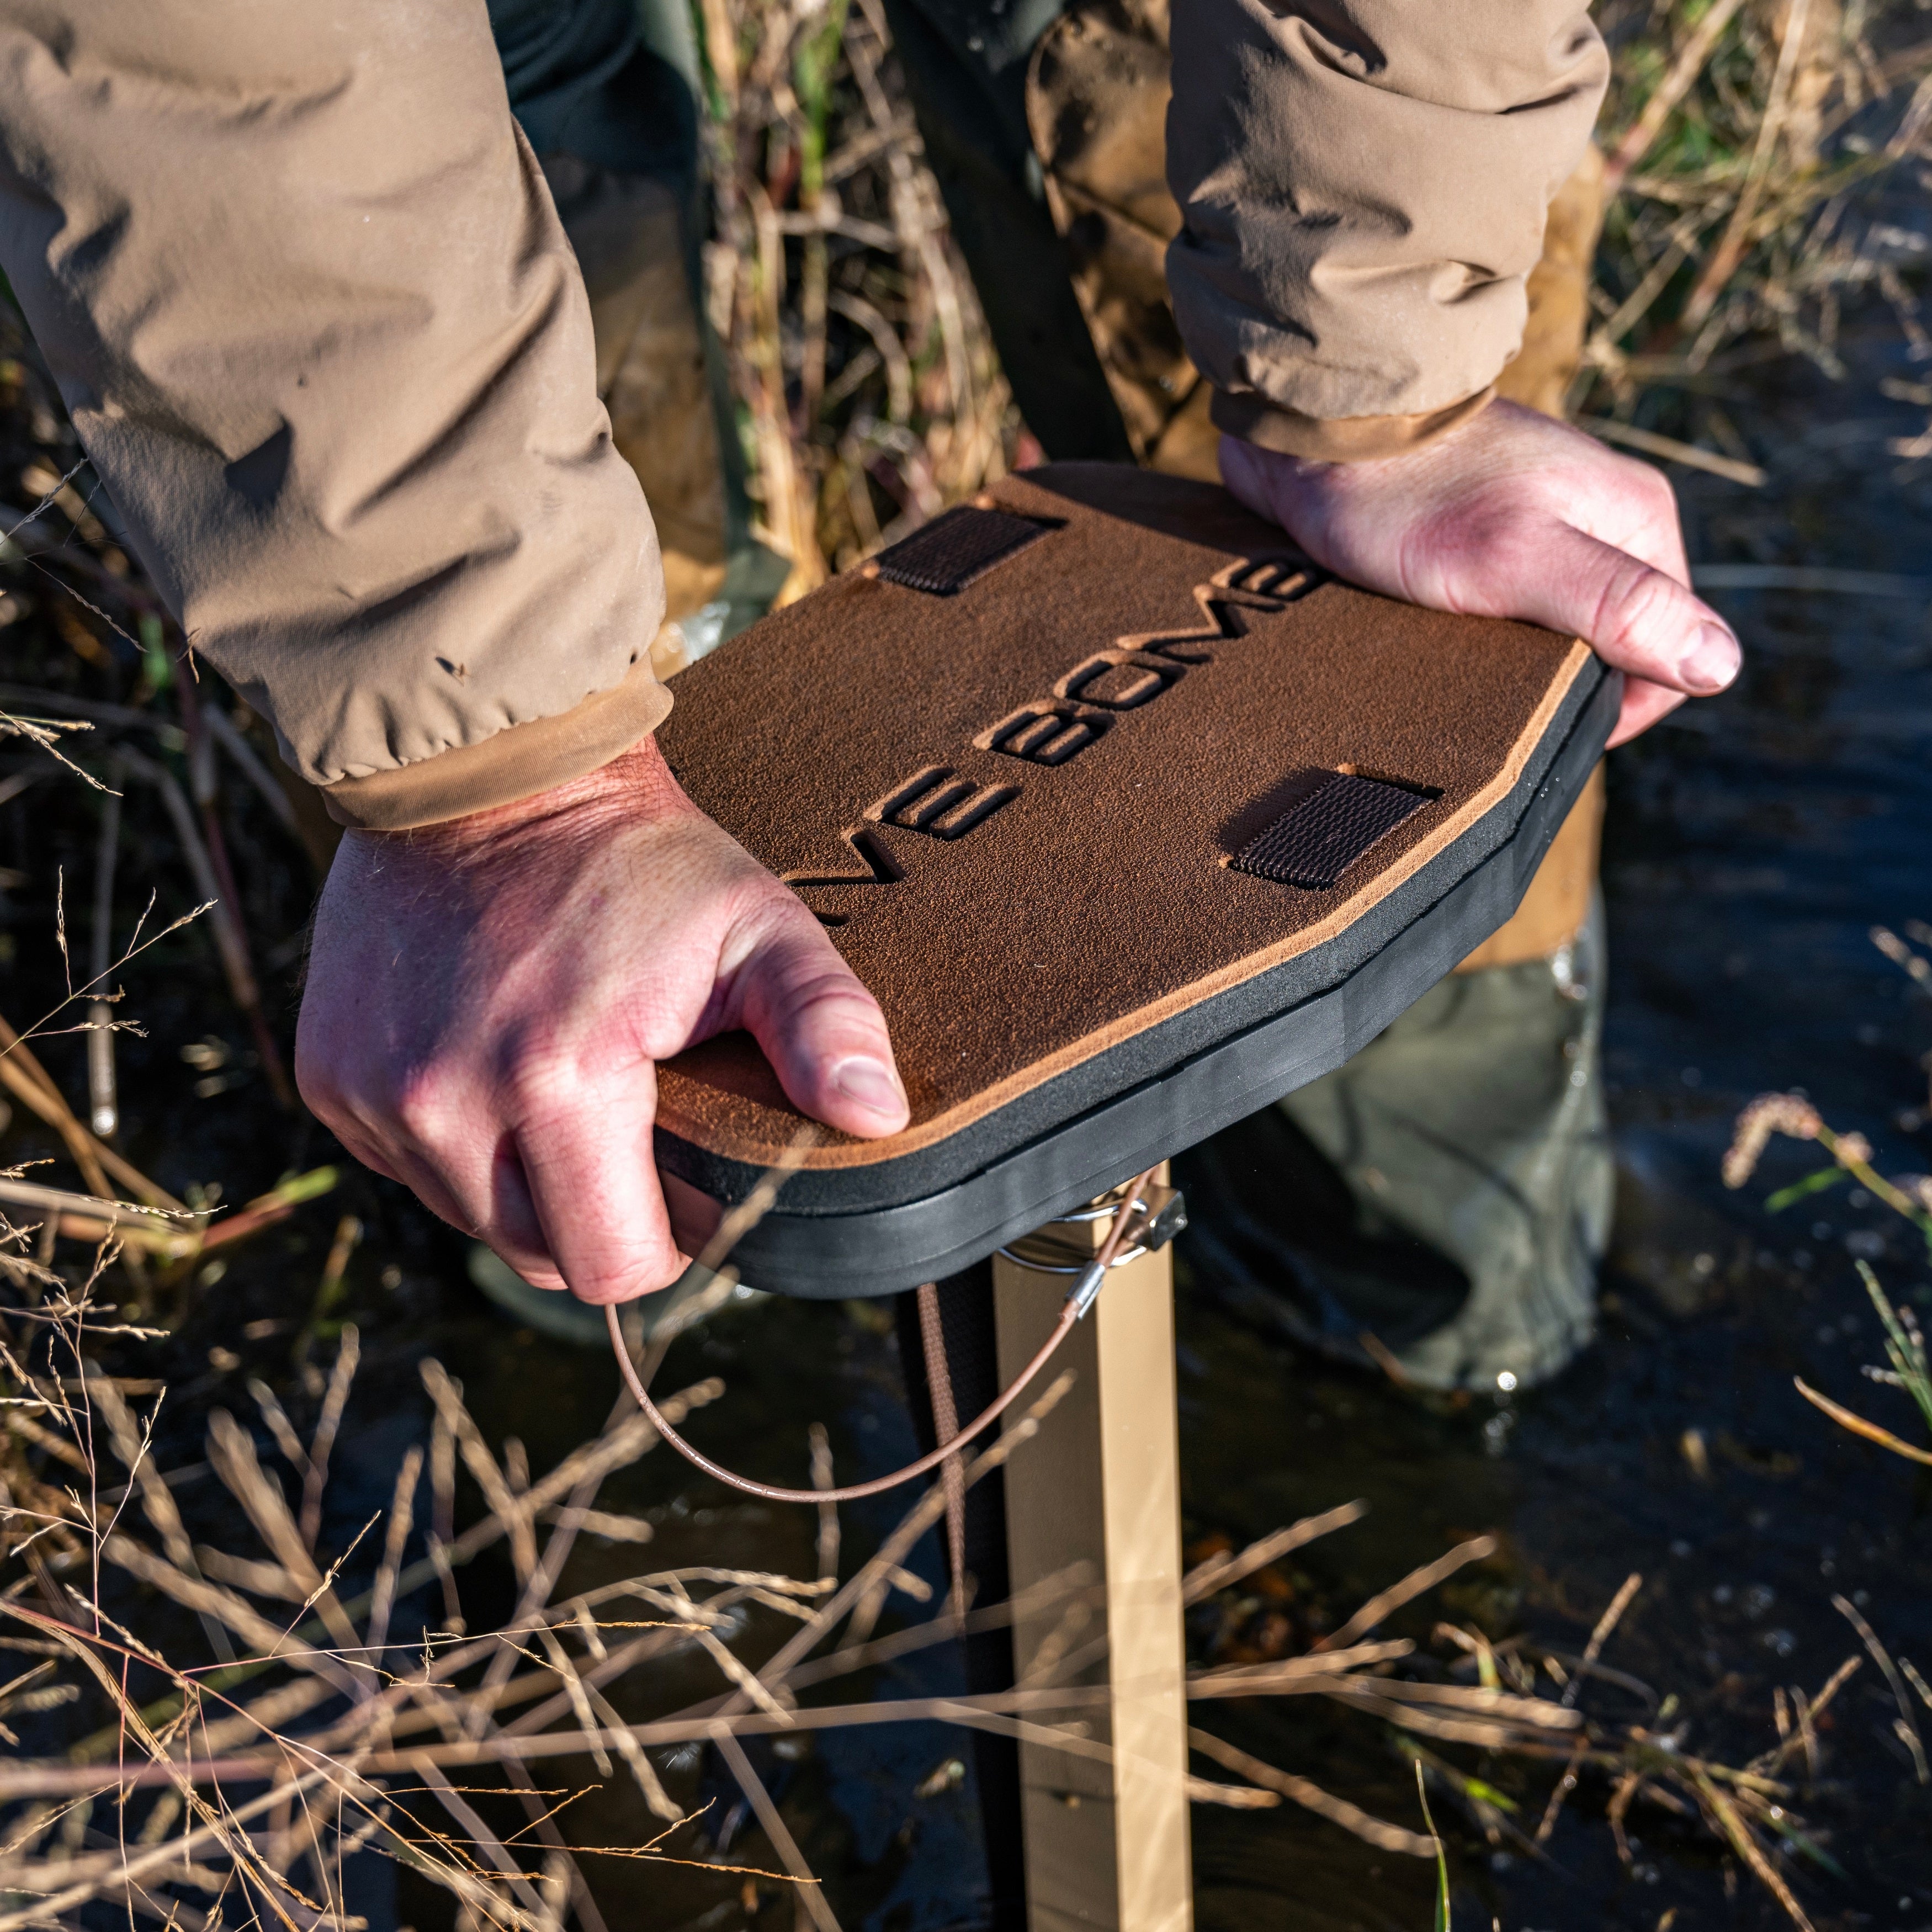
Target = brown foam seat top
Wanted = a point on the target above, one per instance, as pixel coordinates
(1093, 778)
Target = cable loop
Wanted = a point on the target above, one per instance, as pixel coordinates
(1120, 1260)
(1092, 1275)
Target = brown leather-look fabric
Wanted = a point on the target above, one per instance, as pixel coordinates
(1363, 185)
(304, 291)
(1015, 806)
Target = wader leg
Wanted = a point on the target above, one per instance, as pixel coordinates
(1106, 1845)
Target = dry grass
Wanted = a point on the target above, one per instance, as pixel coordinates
(1759, 153)
(233, 1790)
(316, 1728)
(870, 393)
(1908, 1196)
(204, 1735)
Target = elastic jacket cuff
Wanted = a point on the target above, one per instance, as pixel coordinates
(519, 762)
(1340, 439)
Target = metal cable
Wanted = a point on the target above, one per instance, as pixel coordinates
(1078, 1301)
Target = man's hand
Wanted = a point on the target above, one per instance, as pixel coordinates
(487, 1001)
(1513, 515)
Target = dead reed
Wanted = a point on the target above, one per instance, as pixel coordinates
(206, 1735)
(1759, 155)
(1909, 1196)
(318, 1727)
(870, 393)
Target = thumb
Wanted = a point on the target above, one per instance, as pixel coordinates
(1643, 622)
(819, 1028)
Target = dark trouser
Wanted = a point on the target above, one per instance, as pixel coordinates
(970, 105)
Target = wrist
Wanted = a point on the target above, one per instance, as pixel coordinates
(636, 784)
(1282, 431)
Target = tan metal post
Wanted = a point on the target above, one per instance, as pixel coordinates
(1106, 1846)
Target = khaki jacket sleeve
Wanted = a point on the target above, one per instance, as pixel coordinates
(1362, 185)
(302, 287)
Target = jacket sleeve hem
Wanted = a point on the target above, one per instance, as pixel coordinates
(1339, 440)
(517, 763)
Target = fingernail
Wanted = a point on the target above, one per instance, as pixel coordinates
(870, 1083)
(1712, 662)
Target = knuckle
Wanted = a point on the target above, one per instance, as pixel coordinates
(776, 933)
(546, 1099)
(642, 1265)
(1640, 607)
(767, 909)
(348, 1115)
(319, 1072)
(1645, 488)
(315, 1082)
(543, 1069)
(827, 989)
(421, 1101)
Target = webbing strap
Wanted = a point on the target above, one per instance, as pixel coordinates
(1325, 831)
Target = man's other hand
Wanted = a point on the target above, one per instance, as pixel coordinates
(1513, 515)
(487, 1000)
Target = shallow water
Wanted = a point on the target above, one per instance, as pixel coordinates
(1751, 843)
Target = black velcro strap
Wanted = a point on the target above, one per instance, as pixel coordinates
(957, 549)
(1322, 834)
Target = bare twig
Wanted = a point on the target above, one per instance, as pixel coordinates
(224, 909)
(1724, 258)
(1907, 1729)
(1412, 1586)
(1613, 1615)
(103, 1107)
(1637, 140)
(1311, 1797)
(811, 1892)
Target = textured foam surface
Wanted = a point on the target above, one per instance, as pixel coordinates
(1018, 807)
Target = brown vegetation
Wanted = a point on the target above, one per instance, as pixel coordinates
(204, 1736)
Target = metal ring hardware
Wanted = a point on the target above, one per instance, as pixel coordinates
(1120, 1260)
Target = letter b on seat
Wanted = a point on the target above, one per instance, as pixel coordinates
(939, 803)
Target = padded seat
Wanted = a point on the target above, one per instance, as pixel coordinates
(1131, 818)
